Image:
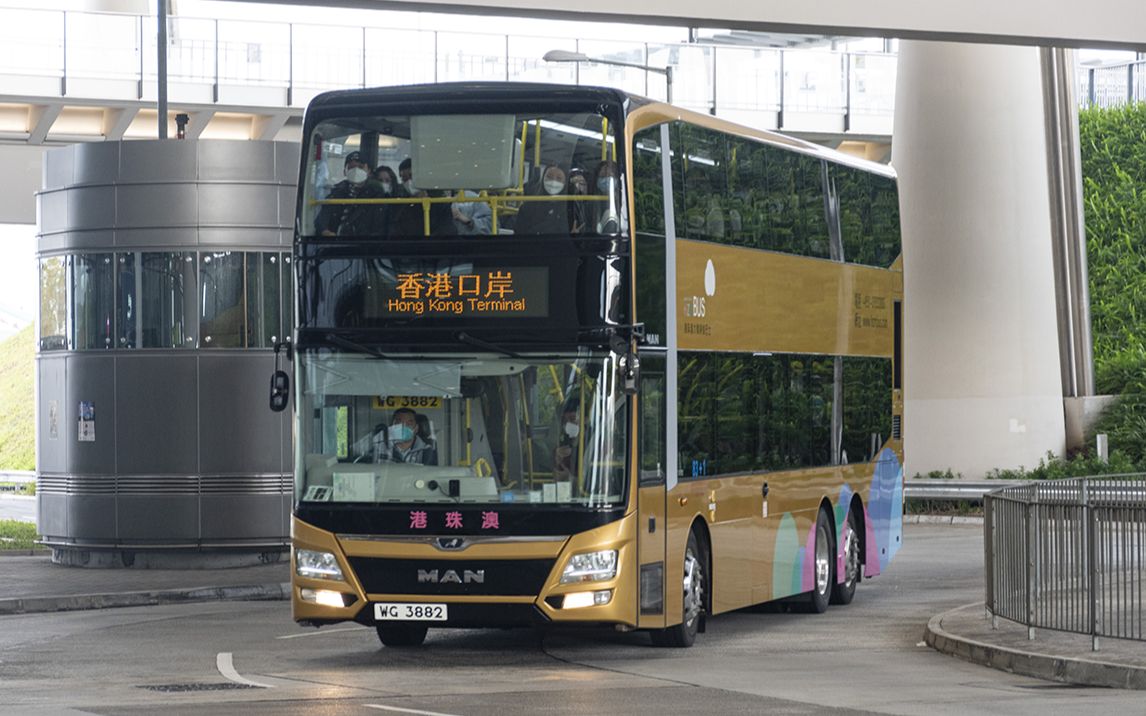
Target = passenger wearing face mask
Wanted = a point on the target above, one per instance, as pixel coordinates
(391, 189)
(472, 218)
(545, 217)
(606, 215)
(401, 441)
(409, 220)
(565, 454)
(363, 220)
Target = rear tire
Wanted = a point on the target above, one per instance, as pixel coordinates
(693, 584)
(402, 634)
(823, 566)
(845, 590)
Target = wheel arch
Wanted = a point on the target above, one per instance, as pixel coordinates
(700, 527)
(856, 508)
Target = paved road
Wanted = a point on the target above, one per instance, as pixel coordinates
(17, 507)
(249, 658)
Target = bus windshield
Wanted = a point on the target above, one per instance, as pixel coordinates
(461, 429)
(463, 174)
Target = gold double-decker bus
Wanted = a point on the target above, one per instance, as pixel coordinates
(566, 356)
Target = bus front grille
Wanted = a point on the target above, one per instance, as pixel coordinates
(493, 577)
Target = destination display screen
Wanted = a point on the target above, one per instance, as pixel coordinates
(453, 291)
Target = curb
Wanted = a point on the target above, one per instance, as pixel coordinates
(943, 519)
(1063, 669)
(38, 605)
(33, 552)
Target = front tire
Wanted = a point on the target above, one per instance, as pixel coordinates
(845, 590)
(400, 635)
(823, 566)
(694, 583)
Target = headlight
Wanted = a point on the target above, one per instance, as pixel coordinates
(591, 567)
(316, 565)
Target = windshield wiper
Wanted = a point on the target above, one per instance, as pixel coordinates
(464, 337)
(355, 346)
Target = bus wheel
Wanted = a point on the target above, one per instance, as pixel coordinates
(845, 590)
(693, 586)
(823, 565)
(402, 634)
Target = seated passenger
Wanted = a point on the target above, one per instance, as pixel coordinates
(410, 220)
(545, 217)
(565, 453)
(391, 189)
(401, 441)
(472, 218)
(352, 219)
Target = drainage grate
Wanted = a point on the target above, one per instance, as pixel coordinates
(175, 688)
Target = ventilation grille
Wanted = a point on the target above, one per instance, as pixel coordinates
(896, 427)
(164, 485)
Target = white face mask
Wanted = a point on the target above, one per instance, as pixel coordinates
(572, 430)
(604, 185)
(387, 186)
(553, 186)
(357, 175)
(409, 184)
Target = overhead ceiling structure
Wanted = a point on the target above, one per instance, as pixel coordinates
(1058, 23)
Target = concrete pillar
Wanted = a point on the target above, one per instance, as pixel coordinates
(983, 386)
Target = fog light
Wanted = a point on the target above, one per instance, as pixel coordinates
(578, 600)
(323, 597)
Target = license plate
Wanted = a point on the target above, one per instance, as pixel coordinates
(403, 612)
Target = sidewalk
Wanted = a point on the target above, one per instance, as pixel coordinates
(33, 584)
(1055, 656)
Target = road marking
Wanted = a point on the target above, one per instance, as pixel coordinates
(405, 711)
(319, 632)
(227, 669)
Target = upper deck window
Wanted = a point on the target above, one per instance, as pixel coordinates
(463, 174)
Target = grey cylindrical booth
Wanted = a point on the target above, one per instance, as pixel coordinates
(165, 281)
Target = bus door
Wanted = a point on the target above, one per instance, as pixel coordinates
(652, 462)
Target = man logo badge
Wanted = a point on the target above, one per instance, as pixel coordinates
(450, 543)
(450, 576)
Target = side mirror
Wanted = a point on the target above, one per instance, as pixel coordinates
(280, 391)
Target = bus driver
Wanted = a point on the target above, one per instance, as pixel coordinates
(403, 442)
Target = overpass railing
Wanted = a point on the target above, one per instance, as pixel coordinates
(1112, 85)
(57, 53)
(1069, 555)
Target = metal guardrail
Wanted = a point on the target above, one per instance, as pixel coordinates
(950, 490)
(19, 476)
(1068, 555)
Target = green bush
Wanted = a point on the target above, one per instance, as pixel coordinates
(1053, 467)
(17, 535)
(1113, 147)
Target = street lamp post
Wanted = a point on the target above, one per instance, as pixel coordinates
(566, 56)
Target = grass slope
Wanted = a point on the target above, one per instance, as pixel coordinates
(17, 407)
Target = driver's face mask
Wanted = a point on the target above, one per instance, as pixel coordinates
(401, 432)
